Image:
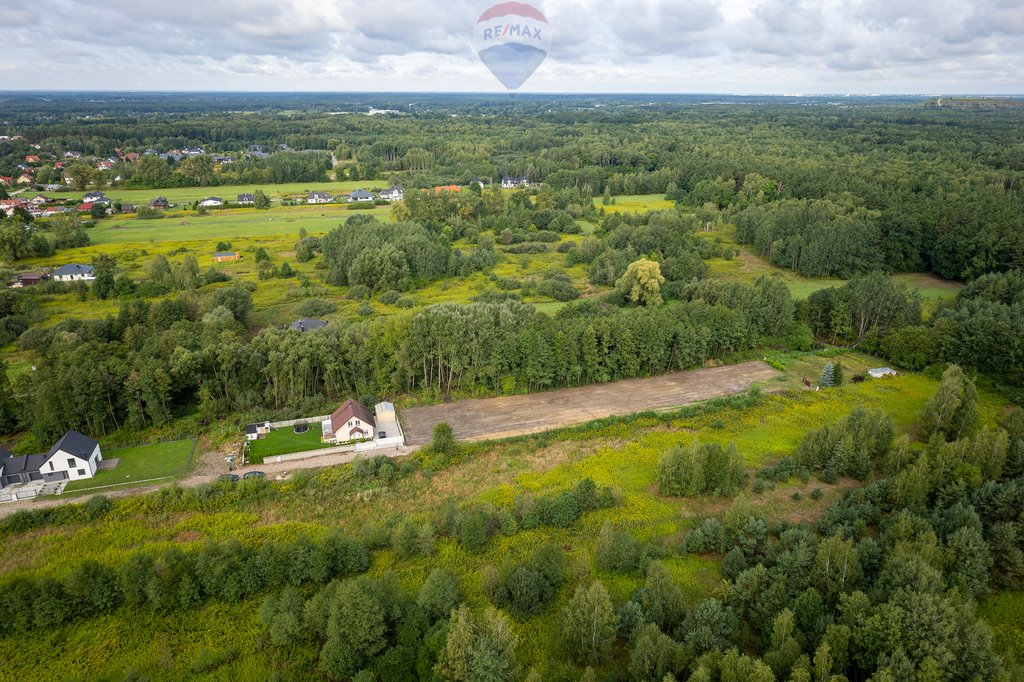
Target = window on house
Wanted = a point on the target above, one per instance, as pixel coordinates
(51, 466)
(71, 463)
(357, 422)
(81, 472)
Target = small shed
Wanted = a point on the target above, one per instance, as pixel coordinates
(882, 373)
(226, 257)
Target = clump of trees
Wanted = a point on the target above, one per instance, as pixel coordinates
(701, 468)
(854, 446)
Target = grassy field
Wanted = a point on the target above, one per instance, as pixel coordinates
(139, 463)
(189, 195)
(746, 266)
(622, 453)
(286, 441)
(637, 203)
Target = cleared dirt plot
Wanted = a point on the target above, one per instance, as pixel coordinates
(517, 415)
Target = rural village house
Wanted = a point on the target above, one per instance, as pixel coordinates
(350, 422)
(245, 200)
(211, 202)
(257, 431)
(73, 272)
(226, 257)
(319, 198)
(360, 195)
(393, 194)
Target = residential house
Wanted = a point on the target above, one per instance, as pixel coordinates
(307, 325)
(32, 158)
(319, 198)
(350, 422)
(246, 200)
(211, 202)
(393, 194)
(509, 182)
(28, 279)
(360, 195)
(478, 182)
(6, 180)
(95, 198)
(193, 151)
(160, 204)
(73, 272)
(72, 155)
(39, 200)
(52, 188)
(50, 212)
(131, 156)
(26, 179)
(257, 431)
(73, 458)
(105, 165)
(87, 207)
(7, 206)
(127, 208)
(226, 257)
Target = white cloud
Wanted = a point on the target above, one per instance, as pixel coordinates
(615, 45)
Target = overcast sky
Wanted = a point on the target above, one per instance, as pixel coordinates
(721, 46)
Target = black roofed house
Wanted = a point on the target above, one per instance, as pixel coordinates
(307, 325)
(159, 203)
(72, 458)
(246, 199)
(393, 194)
(95, 198)
(73, 272)
(257, 431)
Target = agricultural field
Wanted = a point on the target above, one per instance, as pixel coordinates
(156, 462)
(636, 203)
(620, 452)
(284, 442)
(189, 195)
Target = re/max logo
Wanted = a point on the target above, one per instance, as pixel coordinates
(509, 30)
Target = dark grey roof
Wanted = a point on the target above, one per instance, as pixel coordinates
(73, 269)
(252, 428)
(224, 254)
(76, 444)
(246, 197)
(362, 194)
(24, 465)
(305, 325)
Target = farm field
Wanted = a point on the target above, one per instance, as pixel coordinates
(139, 463)
(284, 442)
(492, 418)
(189, 195)
(622, 453)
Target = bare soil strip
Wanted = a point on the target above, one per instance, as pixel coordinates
(491, 418)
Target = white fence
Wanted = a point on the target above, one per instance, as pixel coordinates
(292, 422)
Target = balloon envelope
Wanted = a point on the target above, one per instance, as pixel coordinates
(512, 39)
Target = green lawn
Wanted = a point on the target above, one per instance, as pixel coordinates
(182, 195)
(139, 463)
(286, 441)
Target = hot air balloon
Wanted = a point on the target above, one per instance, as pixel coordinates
(512, 40)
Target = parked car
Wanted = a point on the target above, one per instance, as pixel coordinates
(254, 474)
(228, 478)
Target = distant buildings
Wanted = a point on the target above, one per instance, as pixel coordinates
(246, 200)
(510, 182)
(319, 198)
(360, 195)
(226, 257)
(394, 194)
(211, 202)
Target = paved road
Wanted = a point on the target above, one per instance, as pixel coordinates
(522, 414)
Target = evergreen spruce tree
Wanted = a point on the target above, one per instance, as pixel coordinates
(828, 376)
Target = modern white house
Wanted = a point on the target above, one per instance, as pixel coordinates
(257, 431)
(319, 198)
(95, 198)
(509, 182)
(73, 458)
(393, 194)
(246, 199)
(360, 195)
(211, 202)
(73, 272)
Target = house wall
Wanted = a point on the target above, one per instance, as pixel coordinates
(72, 278)
(59, 463)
